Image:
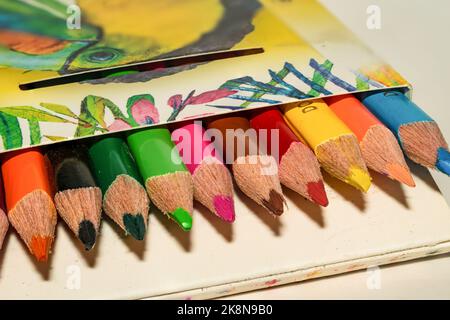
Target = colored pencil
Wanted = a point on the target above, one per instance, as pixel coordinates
(168, 182)
(418, 134)
(125, 200)
(213, 186)
(4, 224)
(78, 200)
(379, 146)
(29, 200)
(299, 169)
(333, 142)
(250, 169)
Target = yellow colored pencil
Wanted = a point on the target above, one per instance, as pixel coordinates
(334, 144)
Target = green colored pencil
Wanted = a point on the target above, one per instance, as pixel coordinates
(125, 200)
(167, 180)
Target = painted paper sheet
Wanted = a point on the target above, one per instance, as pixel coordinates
(308, 53)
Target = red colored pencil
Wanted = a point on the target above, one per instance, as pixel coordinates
(299, 168)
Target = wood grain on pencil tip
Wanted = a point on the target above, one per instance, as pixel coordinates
(299, 169)
(213, 186)
(77, 199)
(125, 200)
(166, 178)
(379, 147)
(28, 192)
(255, 174)
(334, 144)
(419, 135)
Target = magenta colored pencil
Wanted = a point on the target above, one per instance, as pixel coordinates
(213, 186)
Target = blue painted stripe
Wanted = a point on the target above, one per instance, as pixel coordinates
(331, 77)
(302, 77)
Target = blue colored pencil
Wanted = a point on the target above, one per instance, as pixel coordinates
(418, 134)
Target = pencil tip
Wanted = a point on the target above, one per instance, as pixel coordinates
(224, 207)
(443, 161)
(275, 204)
(400, 173)
(87, 234)
(183, 218)
(40, 246)
(134, 225)
(359, 178)
(316, 191)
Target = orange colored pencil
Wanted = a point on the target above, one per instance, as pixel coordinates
(379, 147)
(28, 192)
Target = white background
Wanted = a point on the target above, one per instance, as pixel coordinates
(414, 39)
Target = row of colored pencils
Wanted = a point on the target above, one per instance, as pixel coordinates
(120, 177)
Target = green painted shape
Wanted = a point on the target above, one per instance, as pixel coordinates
(26, 17)
(361, 84)
(10, 132)
(109, 158)
(32, 113)
(155, 153)
(86, 123)
(58, 108)
(35, 132)
(319, 79)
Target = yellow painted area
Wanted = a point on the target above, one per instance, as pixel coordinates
(315, 122)
(170, 23)
(269, 32)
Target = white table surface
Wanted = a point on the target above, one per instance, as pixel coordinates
(414, 39)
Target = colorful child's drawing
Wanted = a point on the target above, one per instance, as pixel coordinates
(34, 34)
(141, 109)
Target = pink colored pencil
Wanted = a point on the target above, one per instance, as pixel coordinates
(213, 186)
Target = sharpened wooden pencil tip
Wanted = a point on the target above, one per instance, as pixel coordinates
(183, 218)
(422, 141)
(87, 234)
(358, 178)
(40, 247)
(401, 174)
(443, 161)
(135, 225)
(224, 207)
(126, 203)
(173, 194)
(316, 191)
(275, 204)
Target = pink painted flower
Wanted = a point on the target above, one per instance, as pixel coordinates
(144, 111)
(118, 124)
(175, 101)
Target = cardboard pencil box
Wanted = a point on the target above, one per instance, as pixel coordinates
(134, 64)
